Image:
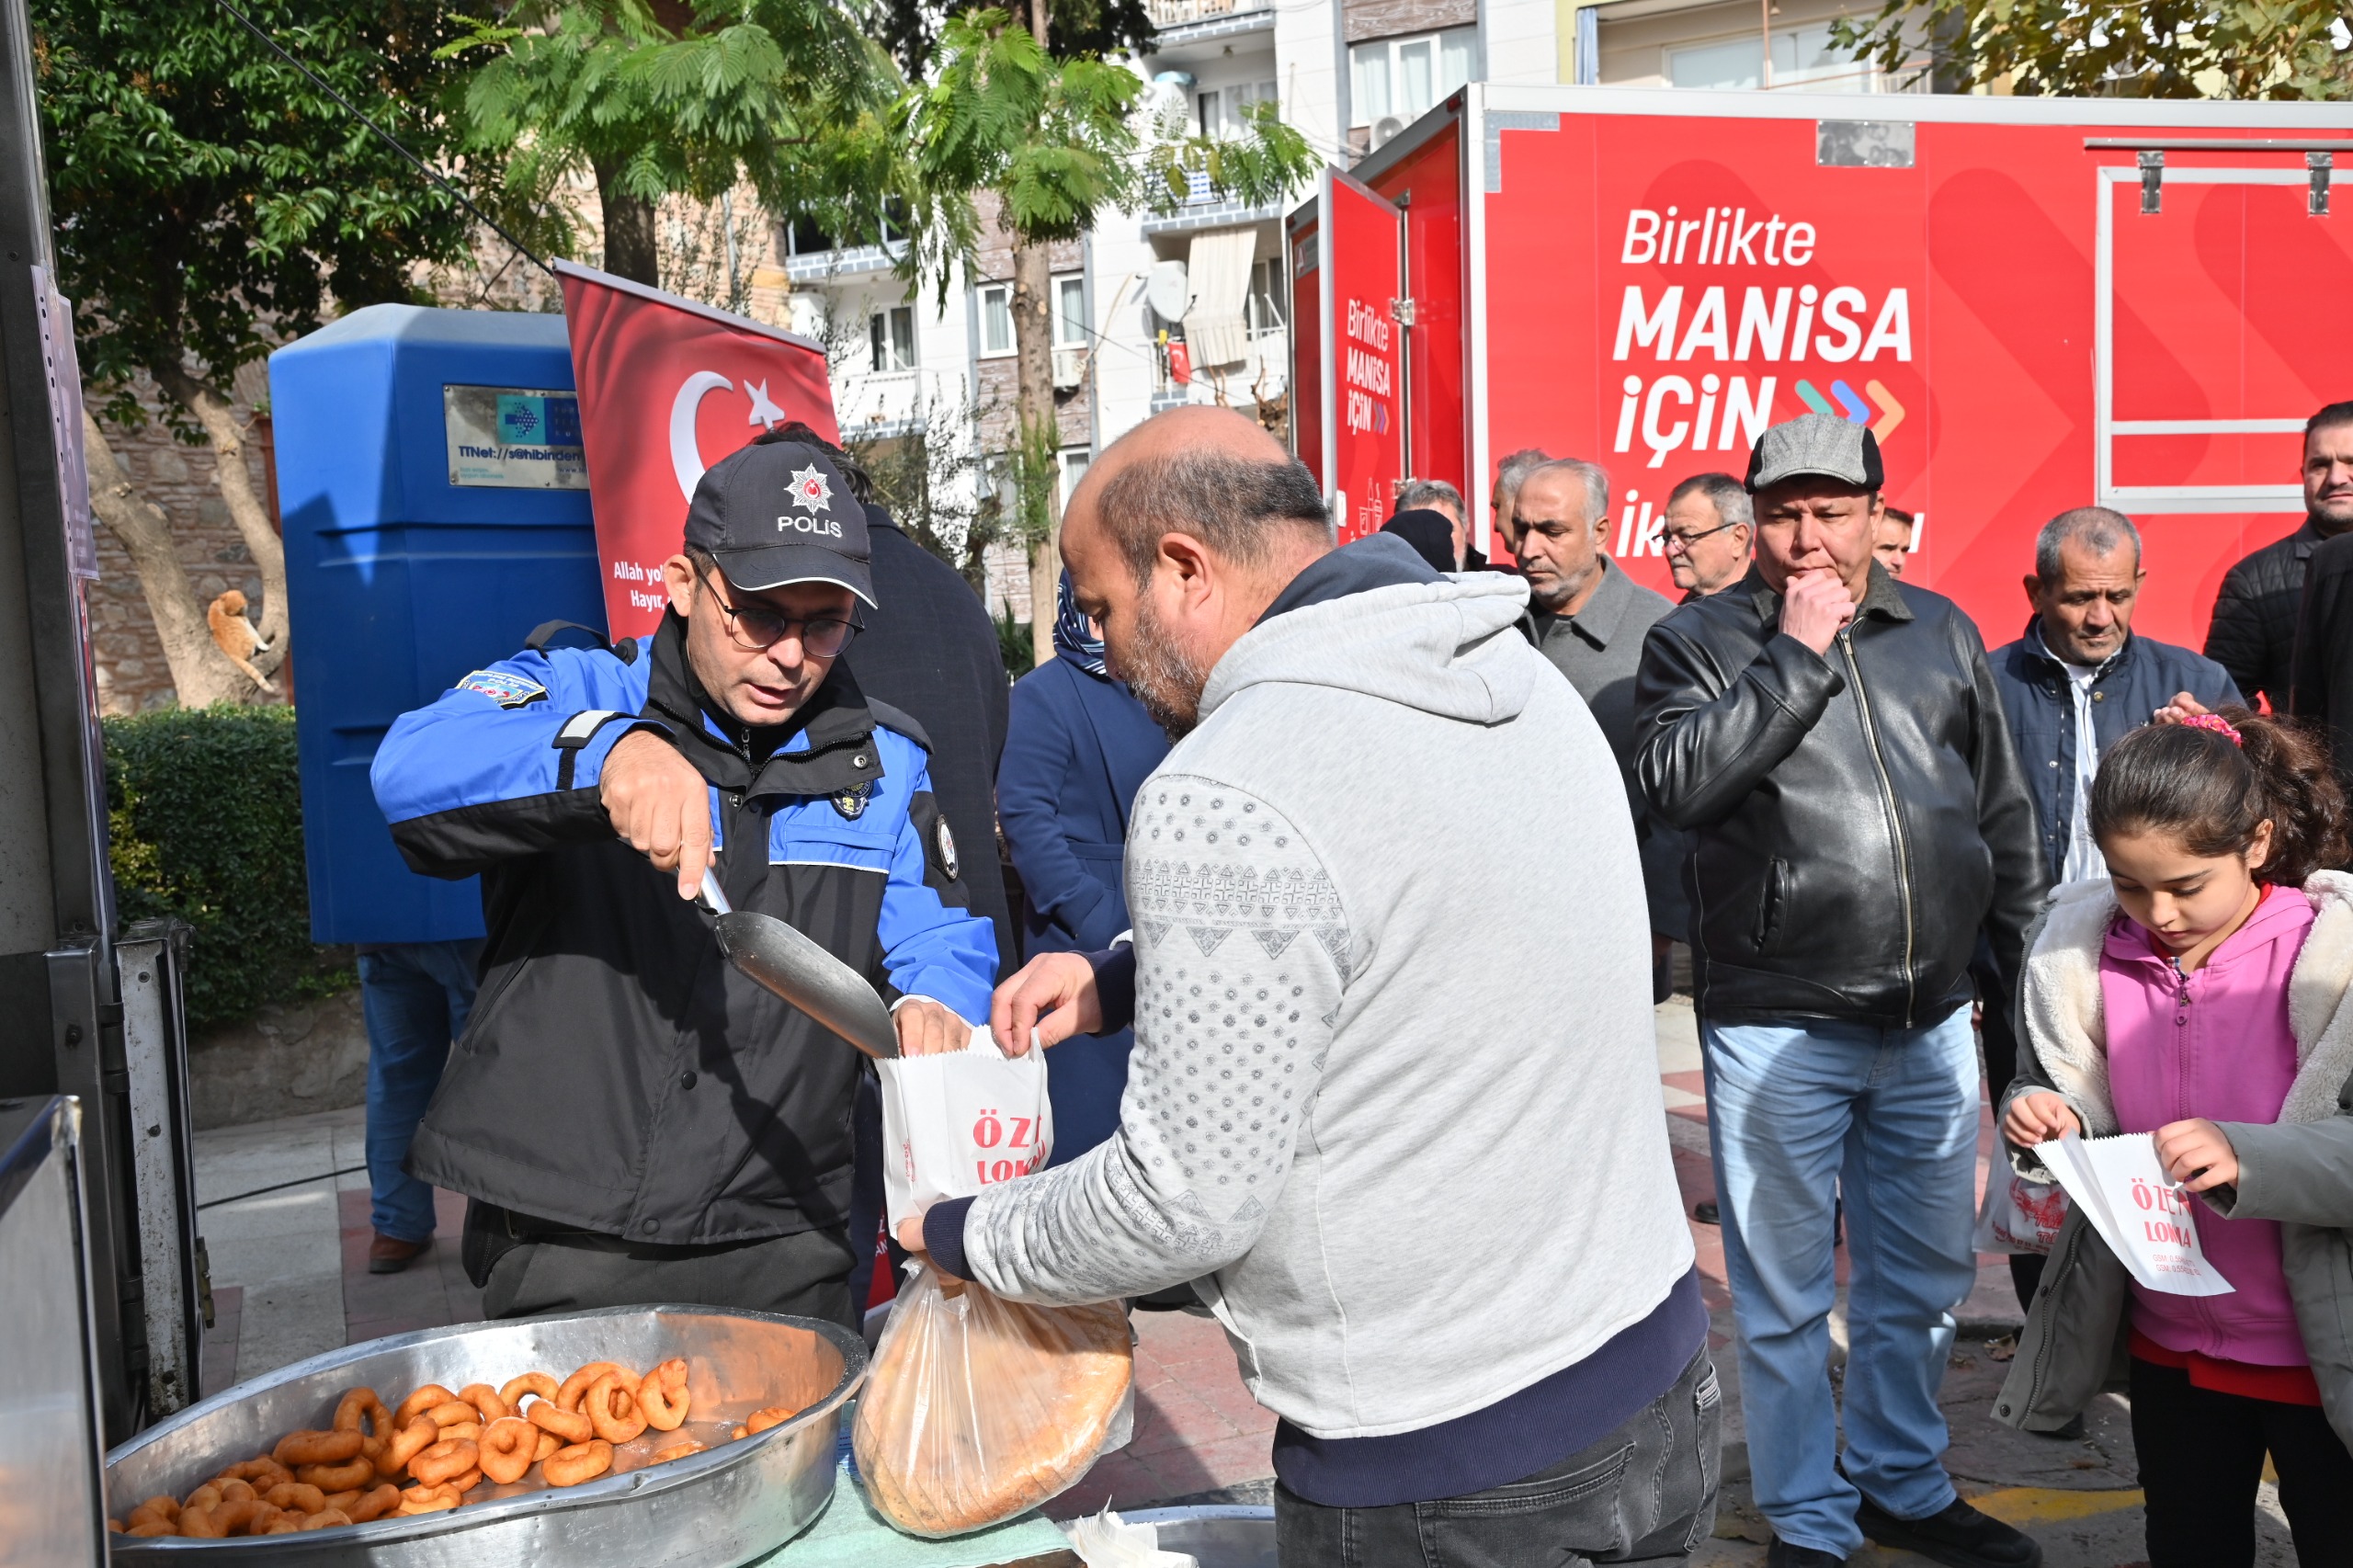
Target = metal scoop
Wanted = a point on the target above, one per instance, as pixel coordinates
(804, 974)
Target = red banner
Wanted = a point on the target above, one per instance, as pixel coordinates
(1363, 400)
(668, 387)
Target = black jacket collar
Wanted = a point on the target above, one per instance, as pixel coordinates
(1882, 596)
(838, 756)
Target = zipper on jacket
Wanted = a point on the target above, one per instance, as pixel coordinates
(1887, 799)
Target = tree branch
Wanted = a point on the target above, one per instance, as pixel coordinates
(247, 510)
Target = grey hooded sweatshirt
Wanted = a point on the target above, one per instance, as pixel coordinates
(1395, 1102)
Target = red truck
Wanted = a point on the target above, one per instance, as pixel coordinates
(2035, 303)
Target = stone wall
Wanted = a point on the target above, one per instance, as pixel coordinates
(178, 478)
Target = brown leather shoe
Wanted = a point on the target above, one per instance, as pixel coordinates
(390, 1254)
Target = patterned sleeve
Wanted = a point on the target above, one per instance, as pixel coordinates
(1242, 953)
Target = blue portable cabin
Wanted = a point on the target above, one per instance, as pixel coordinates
(434, 514)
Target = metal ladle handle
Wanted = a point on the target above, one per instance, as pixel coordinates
(712, 894)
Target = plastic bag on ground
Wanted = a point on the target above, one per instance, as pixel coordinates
(977, 1408)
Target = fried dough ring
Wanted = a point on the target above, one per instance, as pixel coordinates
(404, 1445)
(515, 1390)
(196, 1524)
(420, 1402)
(774, 1416)
(428, 1500)
(613, 1408)
(325, 1519)
(163, 1506)
(356, 1471)
(454, 1413)
(549, 1443)
(374, 1503)
(444, 1461)
(297, 1449)
(490, 1403)
(470, 1430)
(279, 1522)
(148, 1528)
(661, 1395)
(299, 1496)
(568, 1397)
(507, 1447)
(581, 1462)
(570, 1425)
(236, 1490)
(236, 1514)
(362, 1411)
(264, 1468)
(678, 1451)
(205, 1496)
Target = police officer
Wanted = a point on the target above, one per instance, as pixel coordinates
(633, 1119)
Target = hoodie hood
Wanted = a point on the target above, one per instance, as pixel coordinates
(1451, 647)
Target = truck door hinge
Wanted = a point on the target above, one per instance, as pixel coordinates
(1401, 312)
(2152, 179)
(2320, 166)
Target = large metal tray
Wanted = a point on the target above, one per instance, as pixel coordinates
(714, 1509)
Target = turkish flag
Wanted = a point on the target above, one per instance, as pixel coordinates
(668, 387)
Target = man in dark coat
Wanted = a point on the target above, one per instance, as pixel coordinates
(2253, 634)
(2323, 660)
(1079, 747)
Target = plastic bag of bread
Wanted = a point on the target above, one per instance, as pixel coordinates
(978, 1408)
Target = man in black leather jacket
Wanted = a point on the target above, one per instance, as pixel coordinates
(1834, 743)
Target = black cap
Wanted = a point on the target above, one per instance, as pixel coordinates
(780, 512)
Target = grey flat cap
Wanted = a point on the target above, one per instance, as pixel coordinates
(1820, 444)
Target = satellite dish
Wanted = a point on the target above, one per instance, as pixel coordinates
(1386, 128)
(1167, 291)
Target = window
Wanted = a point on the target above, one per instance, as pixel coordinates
(1070, 312)
(1263, 306)
(891, 332)
(1403, 76)
(1226, 111)
(1074, 461)
(1801, 57)
(996, 320)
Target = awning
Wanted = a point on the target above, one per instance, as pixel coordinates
(1220, 274)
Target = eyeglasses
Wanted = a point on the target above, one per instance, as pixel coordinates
(1671, 542)
(756, 629)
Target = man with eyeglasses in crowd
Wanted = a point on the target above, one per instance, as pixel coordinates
(1709, 530)
(630, 1119)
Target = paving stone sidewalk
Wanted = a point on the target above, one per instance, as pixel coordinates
(287, 1225)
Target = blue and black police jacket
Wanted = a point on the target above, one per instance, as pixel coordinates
(617, 1075)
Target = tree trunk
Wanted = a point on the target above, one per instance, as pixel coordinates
(1039, 17)
(1033, 345)
(630, 250)
(201, 673)
(247, 509)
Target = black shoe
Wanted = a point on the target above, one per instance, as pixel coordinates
(1960, 1536)
(1708, 1213)
(1781, 1554)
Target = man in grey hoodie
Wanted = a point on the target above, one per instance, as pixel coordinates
(1431, 1203)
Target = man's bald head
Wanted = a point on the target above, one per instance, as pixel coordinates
(1179, 538)
(1207, 473)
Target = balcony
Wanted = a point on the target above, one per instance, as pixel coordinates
(1184, 13)
(875, 405)
(1267, 369)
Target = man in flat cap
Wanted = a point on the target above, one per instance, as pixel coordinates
(1834, 743)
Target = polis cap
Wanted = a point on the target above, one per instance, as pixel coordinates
(1820, 444)
(780, 512)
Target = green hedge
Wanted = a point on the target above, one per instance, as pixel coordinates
(204, 809)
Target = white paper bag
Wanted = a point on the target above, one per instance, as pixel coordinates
(2146, 1221)
(956, 1123)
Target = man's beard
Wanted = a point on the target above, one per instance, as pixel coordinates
(1161, 674)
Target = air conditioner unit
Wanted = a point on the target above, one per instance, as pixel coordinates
(1070, 369)
(1385, 128)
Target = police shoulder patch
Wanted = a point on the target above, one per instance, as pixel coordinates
(946, 842)
(506, 690)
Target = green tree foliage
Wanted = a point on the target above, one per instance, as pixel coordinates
(204, 814)
(662, 98)
(2157, 49)
(1059, 143)
(911, 28)
(208, 200)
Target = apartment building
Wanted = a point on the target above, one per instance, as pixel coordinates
(1151, 311)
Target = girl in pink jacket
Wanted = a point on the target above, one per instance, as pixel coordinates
(2211, 829)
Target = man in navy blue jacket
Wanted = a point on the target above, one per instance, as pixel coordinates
(2079, 679)
(634, 1120)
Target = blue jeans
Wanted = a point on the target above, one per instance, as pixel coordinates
(1797, 1114)
(416, 996)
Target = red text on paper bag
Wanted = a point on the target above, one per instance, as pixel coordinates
(668, 387)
